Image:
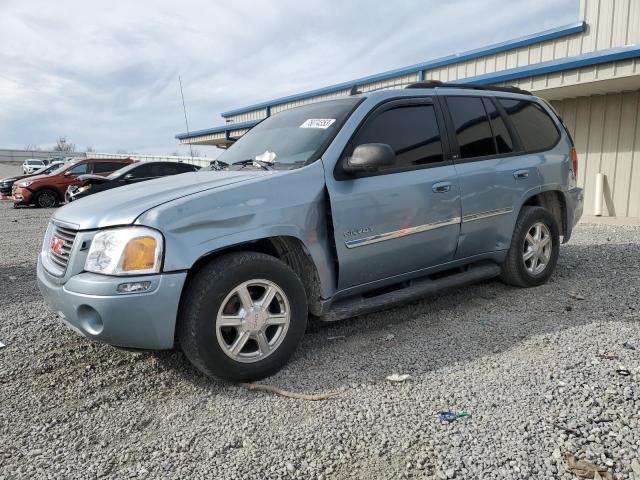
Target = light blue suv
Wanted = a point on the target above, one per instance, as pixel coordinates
(331, 209)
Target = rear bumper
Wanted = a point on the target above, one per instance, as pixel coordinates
(91, 306)
(574, 200)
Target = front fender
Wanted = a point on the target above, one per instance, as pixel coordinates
(287, 203)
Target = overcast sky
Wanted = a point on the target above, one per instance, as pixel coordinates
(105, 74)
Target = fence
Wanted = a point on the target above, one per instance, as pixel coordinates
(19, 156)
(200, 161)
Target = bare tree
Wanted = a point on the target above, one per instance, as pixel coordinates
(175, 153)
(89, 149)
(196, 152)
(121, 151)
(31, 148)
(62, 145)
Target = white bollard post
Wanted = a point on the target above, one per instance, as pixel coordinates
(599, 194)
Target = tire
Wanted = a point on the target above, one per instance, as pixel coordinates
(213, 294)
(530, 262)
(46, 199)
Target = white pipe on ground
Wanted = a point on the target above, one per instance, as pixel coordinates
(597, 207)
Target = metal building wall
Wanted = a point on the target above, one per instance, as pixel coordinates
(606, 130)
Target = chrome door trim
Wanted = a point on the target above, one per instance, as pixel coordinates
(381, 237)
(482, 215)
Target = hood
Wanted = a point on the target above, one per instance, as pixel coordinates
(122, 205)
(32, 178)
(15, 178)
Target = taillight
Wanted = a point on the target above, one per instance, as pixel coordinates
(574, 161)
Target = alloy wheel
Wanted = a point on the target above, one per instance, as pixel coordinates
(537, 248)
(253, 320)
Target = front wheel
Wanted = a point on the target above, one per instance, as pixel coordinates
(242, 316)
(46, 199)
(535, 245)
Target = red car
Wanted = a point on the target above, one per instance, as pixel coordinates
(48, 190)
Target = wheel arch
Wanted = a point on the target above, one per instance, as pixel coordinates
(289, 249)
(555, 202)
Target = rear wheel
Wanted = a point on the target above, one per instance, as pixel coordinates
(242, 316)
(534, 249)
(46, 199)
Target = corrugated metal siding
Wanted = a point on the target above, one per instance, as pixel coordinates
(245, 117)
(576, 76)
(606, 130)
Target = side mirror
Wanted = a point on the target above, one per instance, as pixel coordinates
(369, 157)
(68, 174)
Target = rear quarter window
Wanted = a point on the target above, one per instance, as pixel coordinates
(536, 129)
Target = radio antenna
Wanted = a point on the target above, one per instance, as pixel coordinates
(184, 109)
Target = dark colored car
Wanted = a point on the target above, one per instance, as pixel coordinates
(138, 172)
(6, 184)
(49, 190)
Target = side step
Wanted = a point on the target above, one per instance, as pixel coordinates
(416, 290)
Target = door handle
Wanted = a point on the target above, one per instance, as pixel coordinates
(441, 187)
(518, 174)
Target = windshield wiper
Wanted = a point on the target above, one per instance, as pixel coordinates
(259, 163)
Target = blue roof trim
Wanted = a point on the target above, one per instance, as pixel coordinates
(553, 66)
(551, 34)
(229, 127)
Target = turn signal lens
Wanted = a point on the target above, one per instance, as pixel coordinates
(574, 161)
(139, 254)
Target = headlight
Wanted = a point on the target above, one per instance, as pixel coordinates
(24, 183)
(125, 251)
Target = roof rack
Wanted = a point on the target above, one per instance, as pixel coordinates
(468, 86)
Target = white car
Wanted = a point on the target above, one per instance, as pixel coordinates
(30, 165)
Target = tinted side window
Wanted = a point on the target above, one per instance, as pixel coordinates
(175, 168)
(104, 167)
(411, 131)
(500, 131)
(80, 169)
(534, 126)
(147, 171)
(472, 126)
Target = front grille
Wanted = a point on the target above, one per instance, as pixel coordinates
(66, 236)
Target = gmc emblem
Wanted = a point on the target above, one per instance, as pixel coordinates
(56, 245)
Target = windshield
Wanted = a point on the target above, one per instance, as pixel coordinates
(61, 168)
(123, 170)
(292, 137)
(35, 162)
(46, 170)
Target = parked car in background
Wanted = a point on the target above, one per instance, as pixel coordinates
(137, 172)
(332, 209)
(6, 183)
(30, 165)
(49, 190)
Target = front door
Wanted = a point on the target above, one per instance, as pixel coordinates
(401, 218)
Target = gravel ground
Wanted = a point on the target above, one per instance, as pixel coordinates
(532, 366)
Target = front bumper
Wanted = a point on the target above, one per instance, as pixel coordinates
(90, 305)
(21, 196)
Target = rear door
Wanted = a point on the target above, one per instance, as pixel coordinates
(493, 171)
(402, 218)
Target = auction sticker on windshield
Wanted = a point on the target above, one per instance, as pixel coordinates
(322, 123)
